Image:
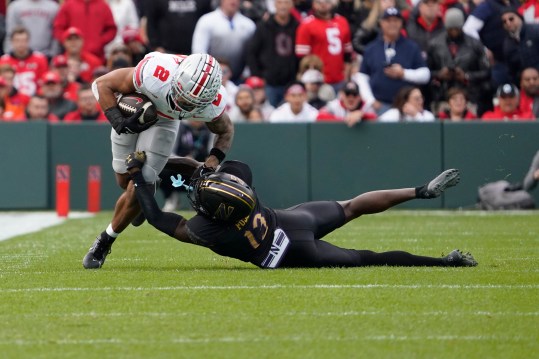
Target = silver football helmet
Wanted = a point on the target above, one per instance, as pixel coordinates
(195, 83)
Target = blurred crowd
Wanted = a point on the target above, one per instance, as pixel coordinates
(284, 60)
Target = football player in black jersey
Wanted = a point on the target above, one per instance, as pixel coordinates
(232, 222)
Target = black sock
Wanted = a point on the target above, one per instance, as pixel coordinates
(420, 192)
(397, 258)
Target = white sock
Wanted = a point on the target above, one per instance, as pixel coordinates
(111, 232)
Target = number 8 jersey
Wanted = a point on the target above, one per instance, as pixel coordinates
(153, 77)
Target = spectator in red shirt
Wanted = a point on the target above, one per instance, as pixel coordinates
(29, 65)
(38, 109)
(94, 19)
(529, 91)
(71, 87)
(326, 35)
(507, 108)
(88, 108)
(14, 101)
(81, 63)
(457, 109)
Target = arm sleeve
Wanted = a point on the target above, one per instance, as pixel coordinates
(303, 46)
(253, 54)
(417, 76)
(109, 27)
(60, 23)
(164, 221)
(362, 81)
(11, 22)
(472, 26)
(201, 36)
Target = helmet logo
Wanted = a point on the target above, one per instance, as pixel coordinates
(223, 211)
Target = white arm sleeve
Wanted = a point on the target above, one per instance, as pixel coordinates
(417, 76)
(362, 81)
(201, 36)
(472, 26)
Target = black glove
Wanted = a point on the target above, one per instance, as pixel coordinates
(201, 171)
(135, 160)
(129, 124)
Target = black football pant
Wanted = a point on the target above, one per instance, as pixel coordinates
(307, 223)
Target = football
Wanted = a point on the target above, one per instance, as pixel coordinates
(131, 103)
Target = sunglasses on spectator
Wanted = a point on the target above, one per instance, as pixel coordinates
(351, 93)
(508, 20)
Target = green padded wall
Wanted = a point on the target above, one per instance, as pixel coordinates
(24, 175)
(292, 163)
(348, 161)
(81, 145)
(487, 152)
(278, 156)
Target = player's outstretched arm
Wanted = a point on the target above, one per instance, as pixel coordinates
(170, 223)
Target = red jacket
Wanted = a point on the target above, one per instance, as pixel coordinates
(93, 18)
(76, 116)
(517, 115)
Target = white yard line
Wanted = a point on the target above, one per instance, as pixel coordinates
(18, 223)
(258, 287)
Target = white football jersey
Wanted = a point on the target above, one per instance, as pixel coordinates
(153, 76)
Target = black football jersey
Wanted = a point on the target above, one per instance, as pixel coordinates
(248, 240)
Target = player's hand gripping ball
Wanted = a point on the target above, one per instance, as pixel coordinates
(131, 103)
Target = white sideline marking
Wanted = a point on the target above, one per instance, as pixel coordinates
(187, 340)
(314, 286)
(289, 313)
(17, 223)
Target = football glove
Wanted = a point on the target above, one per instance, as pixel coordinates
(129, 124)
(201, 171)
(135, 160)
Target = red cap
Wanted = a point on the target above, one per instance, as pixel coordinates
(2, 82)
(70, 32)
(131, 34)
(51, 76)
(59, 61)
(255, 82)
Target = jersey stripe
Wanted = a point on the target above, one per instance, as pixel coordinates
(159, 113)
(138, 71)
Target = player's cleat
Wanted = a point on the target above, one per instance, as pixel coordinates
(139, 219)
(437, 186)
(95, 257)
(458, 259)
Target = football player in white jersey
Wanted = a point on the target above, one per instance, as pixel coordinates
(181, 88)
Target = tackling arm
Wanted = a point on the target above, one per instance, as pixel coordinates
(169, 223)
(224, 129)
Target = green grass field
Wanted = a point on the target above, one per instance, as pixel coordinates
(159, 298)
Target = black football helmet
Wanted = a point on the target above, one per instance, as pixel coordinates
(222, 196)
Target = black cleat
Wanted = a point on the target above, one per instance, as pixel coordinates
(458, 259)
(139, 219)
(438, 185)
(95, 257)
